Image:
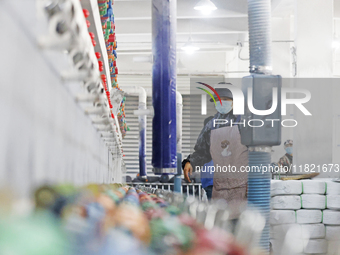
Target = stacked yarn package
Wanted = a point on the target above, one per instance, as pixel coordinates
(305, 217)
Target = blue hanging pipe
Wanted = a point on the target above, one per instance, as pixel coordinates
(259, 189)
(259, 23)
(260, 140)
(142, 143)
(164, 158)
(142, 133)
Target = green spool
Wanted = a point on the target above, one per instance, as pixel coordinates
(36, 235)
(113, 196)
(147, 205)
(173, 210)
(170, 226)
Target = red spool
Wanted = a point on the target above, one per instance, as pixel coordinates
(91, 35)
(86, 13)
(98, 55)
(112, 38)
(88, 24)
(101, 69)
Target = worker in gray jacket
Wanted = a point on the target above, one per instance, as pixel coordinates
(222, 144)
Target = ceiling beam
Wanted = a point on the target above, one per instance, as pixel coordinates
(226, 16)
(149, 52)
(192, 17)
(188, 33)
(186, 73)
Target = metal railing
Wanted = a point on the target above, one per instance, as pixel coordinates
(189, 189)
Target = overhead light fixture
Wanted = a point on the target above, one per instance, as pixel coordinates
(335, 44)
(205, 6)
(189, 47)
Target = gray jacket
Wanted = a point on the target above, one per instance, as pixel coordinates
(201, 155)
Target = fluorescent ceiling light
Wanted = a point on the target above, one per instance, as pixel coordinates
(205, 6)
(189, 47)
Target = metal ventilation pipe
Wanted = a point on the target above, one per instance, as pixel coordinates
(259, 188)
(260, 140)
(259, 22)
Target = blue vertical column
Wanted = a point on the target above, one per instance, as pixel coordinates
(164, 158)
(142, 141)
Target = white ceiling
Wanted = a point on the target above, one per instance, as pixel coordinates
(216, 34)
(227, 25)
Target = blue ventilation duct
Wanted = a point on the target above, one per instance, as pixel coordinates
(142, 145)
(164, 158)
(259, 190)
(260, 140)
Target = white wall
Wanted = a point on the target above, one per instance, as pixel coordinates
(313, 39)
